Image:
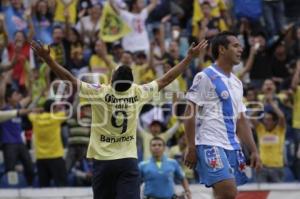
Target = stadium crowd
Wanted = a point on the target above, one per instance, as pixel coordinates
(45, 128)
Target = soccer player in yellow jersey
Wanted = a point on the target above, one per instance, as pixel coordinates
(115, 109)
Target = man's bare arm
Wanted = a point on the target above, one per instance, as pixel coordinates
(246, 137)
(190, 158)
(181, 67)
(59, 70)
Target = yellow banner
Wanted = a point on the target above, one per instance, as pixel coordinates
(112, 27)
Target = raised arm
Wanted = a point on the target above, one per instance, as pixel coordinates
(276, 109)
(59, 70)
(181, 67)
(151, 6)
(296, 77)
(170, 132)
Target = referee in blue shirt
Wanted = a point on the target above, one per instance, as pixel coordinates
(159, 171)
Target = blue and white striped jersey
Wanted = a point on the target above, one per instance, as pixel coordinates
(220, 98)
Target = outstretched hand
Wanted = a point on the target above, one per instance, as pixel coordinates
(194, 51)
(40, 50)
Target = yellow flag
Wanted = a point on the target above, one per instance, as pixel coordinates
(197, 16)
(112, 27)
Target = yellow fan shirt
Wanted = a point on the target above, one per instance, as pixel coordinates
(271, 145)
(114, 118)
(47, 134)
(61, 5)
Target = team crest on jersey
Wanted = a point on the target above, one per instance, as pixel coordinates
(95, 86)
(225, 95)
(213, 158)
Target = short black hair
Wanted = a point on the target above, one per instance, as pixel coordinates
(220, 40)
(156, 138)
(122, 78)
(47, 105)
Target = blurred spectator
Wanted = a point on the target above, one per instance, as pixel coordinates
(296, 115)
(280, 70)
(77, 63)
(143, 70)
(136, 19)
(156, 130)
(83, 7)
(16, 17)
(63, 8)
(81, 173)
(79, 134)
(39, 83)
(14, 149)
(60, 48)
(158, 173)
(48, 145)
(274, 16)
(271, 138)
(24, 61)
(210, 25)
(162, 9)
(89, 26)
(43, 22)
(101, 63)
(258, 61)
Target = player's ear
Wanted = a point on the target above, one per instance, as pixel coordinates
(221, 50)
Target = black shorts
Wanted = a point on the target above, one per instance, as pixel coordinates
(116, 179)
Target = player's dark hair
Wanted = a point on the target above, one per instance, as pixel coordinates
(47, 105)
(220, 40)
(122, 78)
(156, 138)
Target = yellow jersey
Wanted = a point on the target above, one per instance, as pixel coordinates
(271, 145)
(114, 118)
(296, 109)
(47, 134)
(61, 5)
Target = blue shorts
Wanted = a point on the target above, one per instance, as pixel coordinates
(216, 164)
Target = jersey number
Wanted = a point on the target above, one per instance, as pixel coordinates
(123, 125)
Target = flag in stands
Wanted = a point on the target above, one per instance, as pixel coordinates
(112, 27)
